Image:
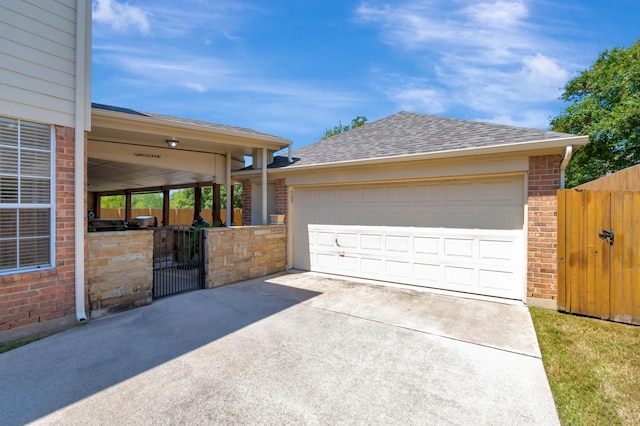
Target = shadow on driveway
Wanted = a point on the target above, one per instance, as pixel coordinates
(63, 369)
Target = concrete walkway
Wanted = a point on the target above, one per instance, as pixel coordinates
(295, 348)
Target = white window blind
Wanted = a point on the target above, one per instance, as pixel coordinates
(25, 195)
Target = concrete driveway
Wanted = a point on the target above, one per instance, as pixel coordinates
(296, 348)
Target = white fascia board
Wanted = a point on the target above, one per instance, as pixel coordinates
(541, 147)
(124, 121)
(535, 147)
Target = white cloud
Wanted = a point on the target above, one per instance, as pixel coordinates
(196, 87)
(491, 57)
(497, 14)
(543, 76)
(121, 16)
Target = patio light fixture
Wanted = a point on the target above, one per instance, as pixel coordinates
(172, 143)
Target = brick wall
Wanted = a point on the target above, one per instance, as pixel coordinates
(30, 298)
(237, 254)
(120, 271)
(544, 180)
(282, 198)
(246, 202)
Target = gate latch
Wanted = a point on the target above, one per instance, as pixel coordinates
(607, 235)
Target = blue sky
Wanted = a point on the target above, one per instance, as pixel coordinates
(293, 68)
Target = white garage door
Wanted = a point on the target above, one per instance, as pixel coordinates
(457, 235)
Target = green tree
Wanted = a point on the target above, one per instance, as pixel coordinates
(237, 197)
(605, 105)
(182, 198)
(112, 201)
(356, 122)
(150, 200)
(185, 198)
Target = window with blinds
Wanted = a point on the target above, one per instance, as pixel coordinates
(26, 204)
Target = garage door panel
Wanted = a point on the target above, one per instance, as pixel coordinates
(373, 267)
(371, 242)
(400, 194)
(495, 280)
(347, 240)
(324, 239)
(463, 236)
(460, 192)
(348, 263)
(371, 195)
(349, 195)
(399, 219)
(428, 194)
(427, 274)
(397, 244)
(479, 261)
(326, 261)
(371, 218)
(458, 247)
(398, 269)
(326, 196)
(495, 250)
(500, 190)
(459, 277)
(426, 245)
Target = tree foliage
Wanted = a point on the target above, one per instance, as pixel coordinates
(112, 201)
(356, 122)
(150, 200)
(185, 198)
(605, 105)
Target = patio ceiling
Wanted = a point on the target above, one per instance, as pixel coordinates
(125, 129)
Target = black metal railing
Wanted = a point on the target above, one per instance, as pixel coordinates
(178, 260)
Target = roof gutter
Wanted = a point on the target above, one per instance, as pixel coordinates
(568, 152)
(82, 94)
(540, 145)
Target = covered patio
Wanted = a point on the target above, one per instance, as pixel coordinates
(131, 153)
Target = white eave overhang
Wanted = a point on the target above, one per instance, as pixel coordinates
(127, 122)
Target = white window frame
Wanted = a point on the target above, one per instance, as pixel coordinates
(51, 205)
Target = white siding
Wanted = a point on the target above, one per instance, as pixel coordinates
(37, 71)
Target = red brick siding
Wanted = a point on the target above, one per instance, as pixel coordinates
(31, 297)
(246, 202)
(282, 198)
(544, 180)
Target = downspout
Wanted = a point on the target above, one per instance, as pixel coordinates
(82, 94)
(264, 186)
(564, 163)
(229, 191)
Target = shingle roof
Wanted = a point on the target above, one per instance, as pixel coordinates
(172, 119)
(407, 133)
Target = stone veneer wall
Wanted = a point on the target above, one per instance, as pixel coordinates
(241, 253)
(120, 271)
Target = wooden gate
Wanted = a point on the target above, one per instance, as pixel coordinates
(599, 254)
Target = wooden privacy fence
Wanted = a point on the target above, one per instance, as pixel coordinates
(176, 216)
(599, 254)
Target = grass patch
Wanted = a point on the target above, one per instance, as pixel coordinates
(12, 344)
(593, 368)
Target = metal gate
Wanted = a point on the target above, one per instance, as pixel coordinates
(178, 260)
